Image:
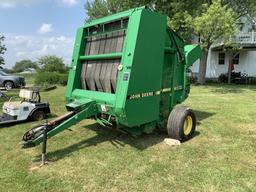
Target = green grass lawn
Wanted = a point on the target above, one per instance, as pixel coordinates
(221, 157)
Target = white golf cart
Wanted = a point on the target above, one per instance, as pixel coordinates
(29, 108)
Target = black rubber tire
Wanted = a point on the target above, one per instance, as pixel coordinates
(8, 85)
(38, 115)
(176, 120)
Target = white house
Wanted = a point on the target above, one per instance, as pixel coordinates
(244, 60)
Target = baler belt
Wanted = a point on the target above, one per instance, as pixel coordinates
(101, 75)
(89, 76)
(107, 77)
(83, 72)
(97, 76)
(114, 74)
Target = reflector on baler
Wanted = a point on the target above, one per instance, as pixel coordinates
(101, 75)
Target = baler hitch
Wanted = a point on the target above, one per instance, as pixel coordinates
(34, 136)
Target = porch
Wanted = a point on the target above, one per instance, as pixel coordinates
(242, 40)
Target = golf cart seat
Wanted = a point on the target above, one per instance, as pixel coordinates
(26, 94)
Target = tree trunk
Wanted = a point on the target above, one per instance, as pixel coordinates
(229, 67)
(202, 67)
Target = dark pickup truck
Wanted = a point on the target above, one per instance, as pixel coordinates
(11, 81)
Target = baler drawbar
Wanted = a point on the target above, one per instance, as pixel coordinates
(128, 70)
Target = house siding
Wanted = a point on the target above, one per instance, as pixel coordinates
(247, 64)
(246, 35)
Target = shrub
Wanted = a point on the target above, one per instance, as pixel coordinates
(63, 79)
(52, 63)
(51, 78)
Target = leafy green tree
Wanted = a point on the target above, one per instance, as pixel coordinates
(51, 63)
(217, 22)
(181, 15)
(242, 7)
(101, 8)
(24, 64)
(2, 49)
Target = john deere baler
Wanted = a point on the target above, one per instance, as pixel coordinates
(128, 70)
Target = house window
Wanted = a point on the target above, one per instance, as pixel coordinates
(235, 59)
(221, 58)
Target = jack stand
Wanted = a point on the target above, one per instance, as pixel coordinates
(44, 162)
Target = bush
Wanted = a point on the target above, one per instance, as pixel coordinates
(51, 78)
(63, 79)
(52, 63)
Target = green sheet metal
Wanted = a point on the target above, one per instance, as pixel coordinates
(193, 53)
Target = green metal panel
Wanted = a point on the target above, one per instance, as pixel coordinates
(193, 53)
(127, 57)
(146, 68)
(101, 56)
(76, 67)
(100, 97)
(113, 17)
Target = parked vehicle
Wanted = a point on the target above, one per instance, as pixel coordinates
(29, 108)
(11, 81)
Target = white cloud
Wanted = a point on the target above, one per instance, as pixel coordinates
(14, 3)
(6, 5)
(33, 47)
(45, 28)
(69, 2)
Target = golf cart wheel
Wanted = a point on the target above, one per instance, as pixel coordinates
(38, 115)
(181, 123)
(8, 85)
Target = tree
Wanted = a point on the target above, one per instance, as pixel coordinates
(100, 8)
(2, 49)
(181, 15)
(216, 22)
(51, 63)
(24, 64)
(242, 7)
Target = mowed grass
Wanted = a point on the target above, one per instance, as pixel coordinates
(88, 157)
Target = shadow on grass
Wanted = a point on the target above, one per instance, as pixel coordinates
(197, 133)
(227, 89)
(201, 115)
(116, 138)
(51, 116)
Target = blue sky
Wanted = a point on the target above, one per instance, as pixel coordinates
(34, 28)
